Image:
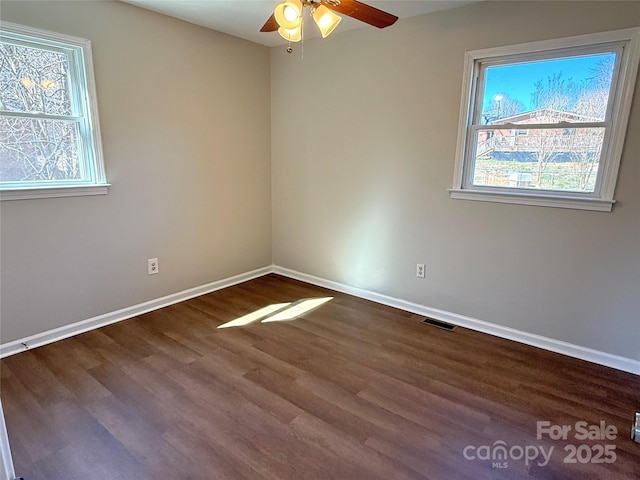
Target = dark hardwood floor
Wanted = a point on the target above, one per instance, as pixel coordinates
(351, 390)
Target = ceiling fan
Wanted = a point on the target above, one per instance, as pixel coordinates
(287, 16)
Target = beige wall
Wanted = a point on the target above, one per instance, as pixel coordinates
(363, 144)
(185, 125)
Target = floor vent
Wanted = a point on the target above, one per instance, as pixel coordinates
(437, 323)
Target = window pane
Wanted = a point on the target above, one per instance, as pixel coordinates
(36, 150)
(572, 89)
(34, 80)
(562, 159)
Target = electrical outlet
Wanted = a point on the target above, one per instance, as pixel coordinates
(420, 270)
(152, 266)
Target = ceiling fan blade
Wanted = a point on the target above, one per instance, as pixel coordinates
(271, 25)
(364, 13)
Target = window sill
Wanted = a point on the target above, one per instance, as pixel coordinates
(53, 192)
(524, 198)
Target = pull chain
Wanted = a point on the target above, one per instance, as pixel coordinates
(302, 37)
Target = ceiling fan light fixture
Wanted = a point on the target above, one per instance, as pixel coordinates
(292, 34)
(326, 20)
(288, 14)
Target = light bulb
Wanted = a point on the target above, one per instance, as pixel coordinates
(326, 20)
(48, 84)
(290, 13)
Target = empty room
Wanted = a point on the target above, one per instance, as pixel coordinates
(319, 239)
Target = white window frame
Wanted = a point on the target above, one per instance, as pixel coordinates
(615, 125)
(83, 85)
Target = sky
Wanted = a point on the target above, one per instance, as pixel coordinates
(517, 81)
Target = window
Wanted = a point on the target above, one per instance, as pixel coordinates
(544, 123)
(49, 133)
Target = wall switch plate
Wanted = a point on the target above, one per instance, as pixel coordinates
(420, 270)
(152, 266)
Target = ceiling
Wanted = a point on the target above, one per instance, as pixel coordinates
(244, 18)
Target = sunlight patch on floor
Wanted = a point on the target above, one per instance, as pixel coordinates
(297, 309)
(254, 316)
(278, 312)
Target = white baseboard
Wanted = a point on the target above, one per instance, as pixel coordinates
(558, 346)
(7, 470)
(595, 356)
(67, 331)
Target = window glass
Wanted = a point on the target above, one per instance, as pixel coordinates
(544, 123)
(49, 129)
(573, 89)
(552, 159)
(36, 150)
(34, 80)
